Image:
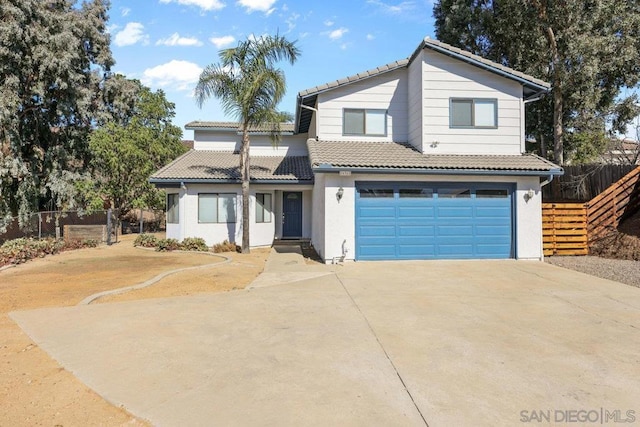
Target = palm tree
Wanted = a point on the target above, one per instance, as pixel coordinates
(249, 87)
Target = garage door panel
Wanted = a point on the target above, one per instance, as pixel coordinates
(454, 212)
(415, 212)
(377, 231)
(417, 251)
(431, 221)
(377, 212)
(455, 230)
(415, 231)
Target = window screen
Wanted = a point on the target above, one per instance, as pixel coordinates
(365, 122)
(216, 208)
(475, 113)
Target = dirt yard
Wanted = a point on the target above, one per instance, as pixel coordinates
(34, 389)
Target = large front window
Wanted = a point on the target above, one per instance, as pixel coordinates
(364, 122)
(473, 113)
(216, 207)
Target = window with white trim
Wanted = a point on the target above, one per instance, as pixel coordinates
(473, 113)
(364, 122)
(216, 208)
(173, 210)
(263, 207)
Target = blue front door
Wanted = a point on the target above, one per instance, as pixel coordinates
(291, 214)
(396, 220)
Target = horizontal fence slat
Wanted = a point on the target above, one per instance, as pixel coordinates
(564, 229)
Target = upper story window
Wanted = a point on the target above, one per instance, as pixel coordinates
(364, 122)
(473, 113)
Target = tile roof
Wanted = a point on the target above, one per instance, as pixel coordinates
(393, 155)
(231, 126)
(224, 166)
(433, 45)
(356, 77)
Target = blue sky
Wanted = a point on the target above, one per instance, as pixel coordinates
(167, 43)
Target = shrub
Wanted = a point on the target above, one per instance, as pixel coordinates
(166, 245)
(18, 251)
(146, 241)
(225, 246)
(194, 244)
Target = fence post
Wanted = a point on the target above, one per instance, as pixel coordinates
(141, 221)
(39, 226)
(109, 225)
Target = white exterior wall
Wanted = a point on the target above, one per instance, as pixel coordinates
(385, 92)
(340, 217)
(318, 214)
(445, 78)
(414, 100)
(261, 145)
(262, 234)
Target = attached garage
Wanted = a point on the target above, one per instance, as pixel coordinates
(409, 220)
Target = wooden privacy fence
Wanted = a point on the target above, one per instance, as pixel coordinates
(564, 229)
(569, 228)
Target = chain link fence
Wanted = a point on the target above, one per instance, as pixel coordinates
(101, 225)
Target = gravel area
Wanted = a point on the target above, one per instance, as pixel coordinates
(619, 270)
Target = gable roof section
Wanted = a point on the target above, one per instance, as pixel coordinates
(286, 128)
(393, 157)
(223, 166)
(531, 85)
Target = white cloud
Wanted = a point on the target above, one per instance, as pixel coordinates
(258, 5)
(132, 33)
(180, 75)
(223, 41)
(370, 37)
(176, 40)
(328, 23)
(399, 8)
(338, 33)
(202, 4)
(291, 21)
(125, 11)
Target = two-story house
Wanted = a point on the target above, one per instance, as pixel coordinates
(422, 158)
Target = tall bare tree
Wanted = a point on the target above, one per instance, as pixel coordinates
(249, 87)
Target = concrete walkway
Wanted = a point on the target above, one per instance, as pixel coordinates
(398, 343)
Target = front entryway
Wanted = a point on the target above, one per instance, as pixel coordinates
(291, 214)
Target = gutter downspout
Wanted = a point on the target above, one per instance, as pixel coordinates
(546, 181)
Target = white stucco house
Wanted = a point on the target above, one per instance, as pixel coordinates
(422, 158)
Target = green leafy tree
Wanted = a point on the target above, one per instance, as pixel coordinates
(127, 151)
(587, 49)
(249, 87)
(53, 59)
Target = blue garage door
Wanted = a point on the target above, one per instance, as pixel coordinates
(433, 221)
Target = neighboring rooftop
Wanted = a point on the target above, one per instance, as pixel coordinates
(235, 126)
(222, 166)
(397, 156)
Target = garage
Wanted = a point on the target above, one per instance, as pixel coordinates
(409, 220)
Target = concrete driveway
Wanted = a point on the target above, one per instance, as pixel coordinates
(436, 343)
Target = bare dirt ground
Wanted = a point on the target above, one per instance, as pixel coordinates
(34, 389)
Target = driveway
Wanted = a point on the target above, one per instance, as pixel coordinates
(435, 343)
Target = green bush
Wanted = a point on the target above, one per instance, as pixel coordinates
(18, 251)
(146, 241)
(225, 246)
(194, 244)
(166, 245)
